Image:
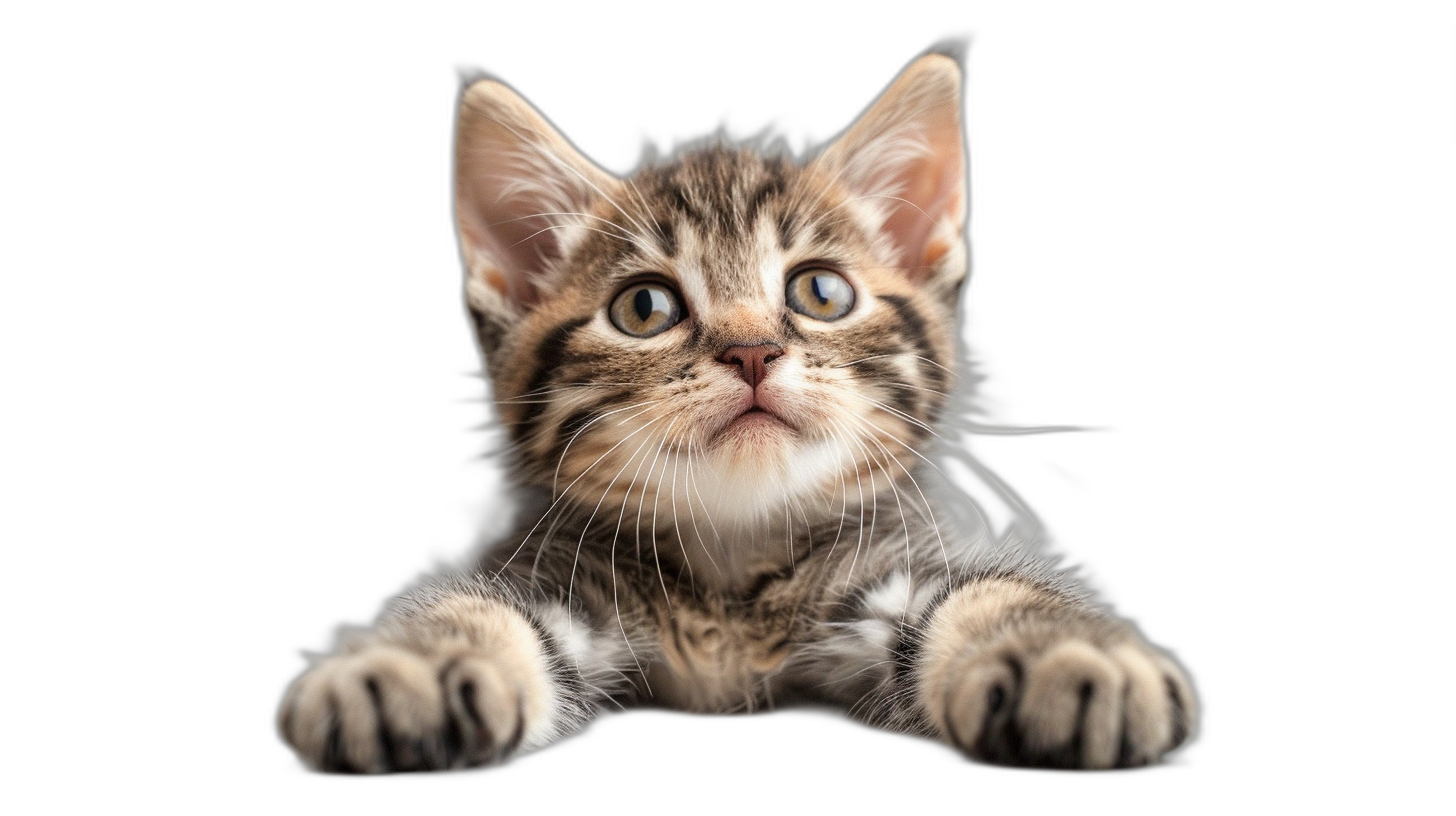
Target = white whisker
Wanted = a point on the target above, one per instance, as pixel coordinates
(563, 493)
(902, 415)
(896, 354)
(645, 406)
(717, 539)
(930, 512)
(636, 241)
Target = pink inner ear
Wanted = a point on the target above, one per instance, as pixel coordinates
(905, 154)
(508, 236)
(931, 187)
(515, 177)
(499, 243)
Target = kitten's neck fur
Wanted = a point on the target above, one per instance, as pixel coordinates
(722, 542)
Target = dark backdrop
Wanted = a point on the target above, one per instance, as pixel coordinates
(1140, 236)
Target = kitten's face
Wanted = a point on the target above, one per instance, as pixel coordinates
(725, 335)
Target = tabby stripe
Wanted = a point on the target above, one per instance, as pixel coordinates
(549, 357)
(879, 370)
(826, 232)
(765, 580)
(575, 422)
(906, 401)
(666, 233)
(788, 230)
(773, 188)
(678, 198)
(912, 325)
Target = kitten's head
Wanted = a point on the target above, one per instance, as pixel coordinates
(727, 333)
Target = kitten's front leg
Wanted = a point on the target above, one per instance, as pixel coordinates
(1016, 674)
(448, 678)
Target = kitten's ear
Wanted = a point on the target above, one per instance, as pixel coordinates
(518, 183)
(906, 157)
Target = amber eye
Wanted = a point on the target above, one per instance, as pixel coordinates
(645, 309)
(820, 294)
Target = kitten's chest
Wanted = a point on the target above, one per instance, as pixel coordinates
(719, 657)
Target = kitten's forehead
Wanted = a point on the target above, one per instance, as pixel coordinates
(730, 222)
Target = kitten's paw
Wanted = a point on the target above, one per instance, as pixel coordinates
(1068, 705)
(386, 708)
(1015, 676)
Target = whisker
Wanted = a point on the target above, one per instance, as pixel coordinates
(929, 511)
(902, 415)
(904, 522)
(844, 494)
(892, 384)
(899, 199)
(632, 187)
(657, 497)
(525, 398)
(558, 499)
(637, 241)
(562, 164)
(897, 354)
(874, 506)
(692, 483)
(657, 494)
(622, 515)
(571, 582)
(985, 523)
(556, 476)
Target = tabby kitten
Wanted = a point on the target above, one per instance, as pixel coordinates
(718, 377)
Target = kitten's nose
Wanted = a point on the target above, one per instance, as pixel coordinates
(752, 361)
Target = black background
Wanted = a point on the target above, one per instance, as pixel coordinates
(1148, 242)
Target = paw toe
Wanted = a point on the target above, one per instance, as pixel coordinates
(372, 712)
(1071, 709)
(486, 708)
(979, 702)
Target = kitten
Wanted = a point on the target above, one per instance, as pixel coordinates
(718, 376)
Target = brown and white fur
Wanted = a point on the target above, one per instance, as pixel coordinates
(729, 514)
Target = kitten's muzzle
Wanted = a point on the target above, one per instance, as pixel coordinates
(752, 361)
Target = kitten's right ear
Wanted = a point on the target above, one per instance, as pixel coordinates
(905, 156)
(521, 195)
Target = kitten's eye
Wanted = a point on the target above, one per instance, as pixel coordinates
(645, 309)
(820, 294)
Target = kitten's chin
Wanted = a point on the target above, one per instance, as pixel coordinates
(757, 464)
(757, 416)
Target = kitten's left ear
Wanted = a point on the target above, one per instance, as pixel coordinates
(906, 158)
(522, 196)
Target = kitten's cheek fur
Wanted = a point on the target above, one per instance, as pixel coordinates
(463, 683)
(1013, 674)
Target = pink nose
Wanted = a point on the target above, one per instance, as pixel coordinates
(752, 361)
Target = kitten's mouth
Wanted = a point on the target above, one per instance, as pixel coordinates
(755, 417)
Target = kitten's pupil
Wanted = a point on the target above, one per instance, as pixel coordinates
(642, 303)
(817, 284)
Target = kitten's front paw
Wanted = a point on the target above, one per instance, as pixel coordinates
(1066, 703)
(1017, 675)
(386, 708)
